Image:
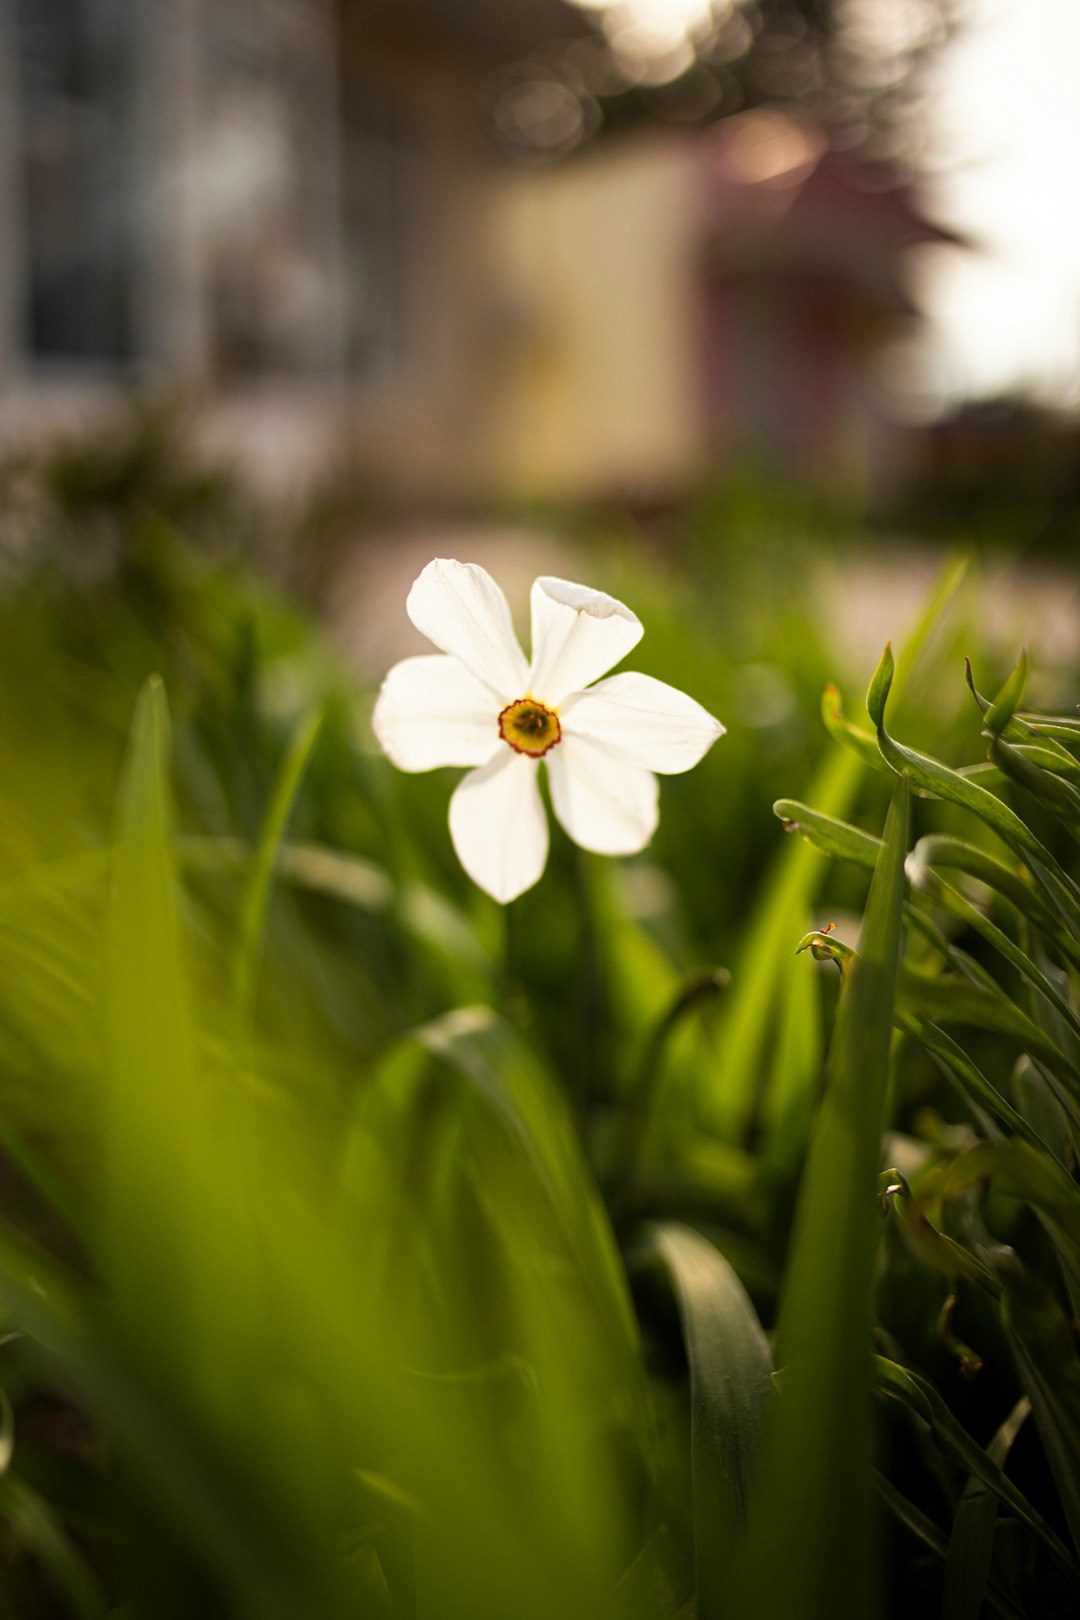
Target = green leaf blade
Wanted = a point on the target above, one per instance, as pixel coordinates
(809, 1554)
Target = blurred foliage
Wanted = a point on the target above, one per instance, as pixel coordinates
(373, 1250)
(1004, 468)
(855, 71)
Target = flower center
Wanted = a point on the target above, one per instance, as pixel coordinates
(529, 727)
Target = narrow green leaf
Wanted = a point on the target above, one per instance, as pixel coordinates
(349, 878)
(912, 1518)
(794, 1086)
(37, 1527)
(700, 989)
(880, 683)
(764, 967)
(1000, 713)
(1049, 789)
(971, 1544)
(1044, 1114)
(945, 999)
(927, 1533)
(961, 907)
(937, 849)
(861, 743)
(828, 835)
(922, 1399)
(1044, 1344)
(654, 1586)
(932, 1248)
(1064, 726)
(257, 895)
(501, 1071)
(152, 1066)
(52, 1187)
(931, 776)
(968, 1078)
(811, 1555)
(730, 1370)
(188, 1483)
(1059, 760)
(1030, 726)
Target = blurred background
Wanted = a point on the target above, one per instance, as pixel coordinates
(454, 259)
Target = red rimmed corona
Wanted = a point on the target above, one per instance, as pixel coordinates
(530, 727)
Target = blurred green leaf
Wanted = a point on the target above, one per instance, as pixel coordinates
(730, 1369)
(257, 894)
(37, 1528)
(764, 967)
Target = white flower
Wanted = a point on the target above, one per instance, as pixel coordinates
(478, 702)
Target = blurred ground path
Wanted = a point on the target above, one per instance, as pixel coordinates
(1021, 604)
(367, 608)
(874, 598)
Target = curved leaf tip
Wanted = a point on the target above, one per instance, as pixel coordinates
(880, 683)
(1009, 698)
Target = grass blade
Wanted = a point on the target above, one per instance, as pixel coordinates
(931, 776)
(32, 1522)
(809, 1555)
(920, 1398)
(730, 1370)
(151, 1050)
(257, 895)
(927, 1533)
(1043, 1343)
(971, 1545)
(765, 967)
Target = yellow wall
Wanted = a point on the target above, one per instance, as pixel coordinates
(594, 384)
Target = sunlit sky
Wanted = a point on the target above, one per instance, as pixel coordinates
(1006, 111)
(1003, 131)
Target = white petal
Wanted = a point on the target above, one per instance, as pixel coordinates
(432, 712)
(498, 825)
(460, 608)
(577, 635)
(606, 803)
(646, 721)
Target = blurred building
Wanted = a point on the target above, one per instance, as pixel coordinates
(688, 300)
(272, 206)
(292, 213)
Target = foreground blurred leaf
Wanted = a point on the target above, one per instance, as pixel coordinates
(182, 1478)
(257, 895)
(36, 1527)
(152, 1067)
